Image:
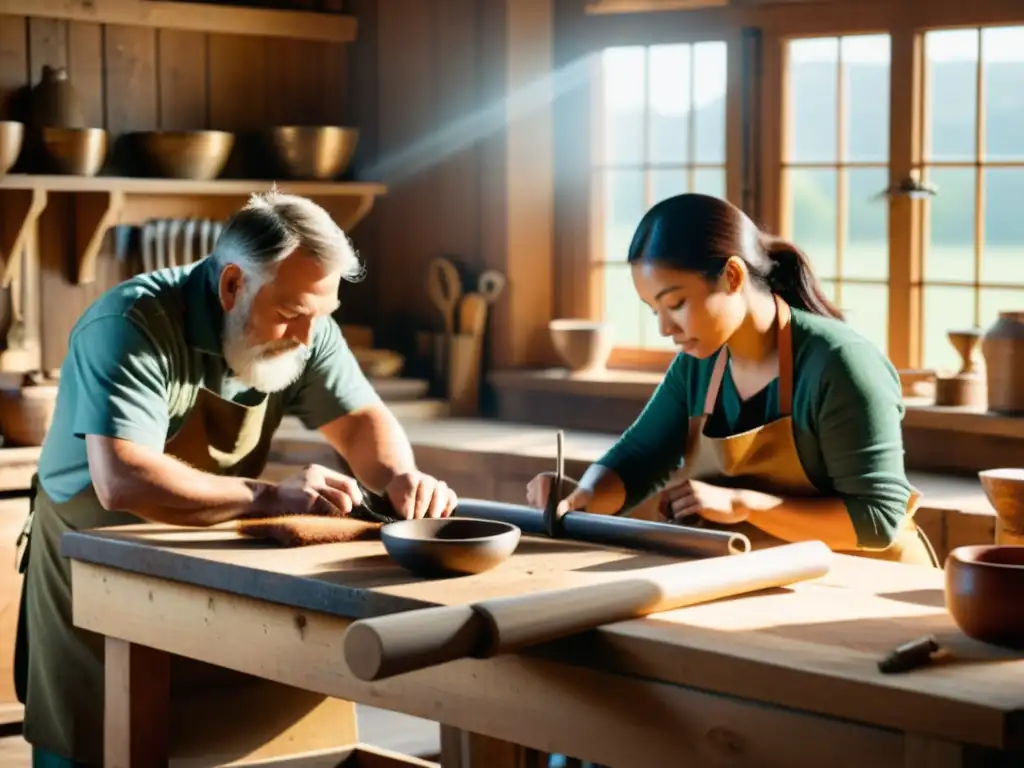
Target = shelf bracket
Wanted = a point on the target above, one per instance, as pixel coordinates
(95, 213)
(22, 209)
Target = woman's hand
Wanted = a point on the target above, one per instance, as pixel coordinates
(573, 497)
(687, 498)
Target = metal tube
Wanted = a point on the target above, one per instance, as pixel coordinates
(623, 532)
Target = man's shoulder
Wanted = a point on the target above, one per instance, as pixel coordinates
(151, 302)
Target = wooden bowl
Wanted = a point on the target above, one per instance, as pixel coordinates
(12, 136)
(26, 413)
(378, 363)
(583, 345)
(193, 155)
(315, 152)
(74, 151)
(452, 546)
(984, 585)
(1004, 488)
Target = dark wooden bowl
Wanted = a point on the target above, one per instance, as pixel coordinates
(453, 546)
(984, 585)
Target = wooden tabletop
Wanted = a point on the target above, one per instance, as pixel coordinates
(812, 647)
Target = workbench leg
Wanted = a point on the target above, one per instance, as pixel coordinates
(462, 749)
(136, 706)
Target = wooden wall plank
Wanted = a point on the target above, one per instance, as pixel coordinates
(129, 56)
(181, 78)
(14, 72)
(85, 69)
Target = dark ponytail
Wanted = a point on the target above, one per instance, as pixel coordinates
(791, 276)
(698, 233)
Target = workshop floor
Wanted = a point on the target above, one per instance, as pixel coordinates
(390, 730)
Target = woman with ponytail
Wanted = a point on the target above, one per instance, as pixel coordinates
(777, 419)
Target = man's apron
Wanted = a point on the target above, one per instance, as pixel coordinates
(766, 459)
(58, 667)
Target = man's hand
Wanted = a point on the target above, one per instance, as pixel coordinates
(316, 490)
(688, 498)
(414, 495)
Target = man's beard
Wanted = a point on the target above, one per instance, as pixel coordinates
(265, 367)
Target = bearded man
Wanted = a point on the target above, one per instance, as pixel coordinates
(173, 385)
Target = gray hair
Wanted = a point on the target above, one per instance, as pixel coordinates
(272, 225)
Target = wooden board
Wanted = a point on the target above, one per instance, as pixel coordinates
(813, 647)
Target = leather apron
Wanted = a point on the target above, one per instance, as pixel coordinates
(766, 459)
(59, 666)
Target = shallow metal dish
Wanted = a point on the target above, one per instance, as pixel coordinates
(452, 546)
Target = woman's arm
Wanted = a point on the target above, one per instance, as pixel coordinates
(860, 410)
(648, 451)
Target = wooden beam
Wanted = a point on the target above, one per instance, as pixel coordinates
(196, 17)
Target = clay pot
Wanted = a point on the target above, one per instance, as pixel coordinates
(583, 345)
(55, 102)
(984, 585)
(1003, 348)
(451, 546)
(26, 412)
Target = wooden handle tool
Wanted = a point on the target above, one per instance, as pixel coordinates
(390, 645)
(444, 287)
(473, 315)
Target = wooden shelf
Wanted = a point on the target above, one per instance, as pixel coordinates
(103, 202)
(195, 17)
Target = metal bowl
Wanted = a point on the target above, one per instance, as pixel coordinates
(315, 152)
(193, 155)
(12, 135)
(74, 151)
(450, 546)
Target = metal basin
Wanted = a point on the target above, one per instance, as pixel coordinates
(453, 546)
(194, 155)
(12, 135)
(74, 151)
(314, 152)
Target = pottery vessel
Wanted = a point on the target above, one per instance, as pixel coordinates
(452, 546)
(55, 102)
(1004, 488)
(583, 345)
(1003, 348)
(984, 585)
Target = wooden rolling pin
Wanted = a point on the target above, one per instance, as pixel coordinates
(390, 645)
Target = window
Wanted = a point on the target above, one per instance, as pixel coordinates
(659, 130)
(973, 147)
(835, 165)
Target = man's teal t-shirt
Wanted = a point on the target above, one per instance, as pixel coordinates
(139, 355)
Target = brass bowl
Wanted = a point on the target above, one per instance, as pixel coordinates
(193, 155)
(12, 135)
(316, 152)
(74, 151)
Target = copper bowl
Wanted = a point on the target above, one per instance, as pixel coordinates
(26, 413)
(984, 585)
(12, 135)
(315, 152)
(74, 151)
(193, 155)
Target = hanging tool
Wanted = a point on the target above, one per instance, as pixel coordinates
(173, 230)
(148, 236)
(161, 243)
(490, 285)
(190, 241)
(204, 238)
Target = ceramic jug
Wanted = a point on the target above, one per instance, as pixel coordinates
(1003, 349)
(55, 102)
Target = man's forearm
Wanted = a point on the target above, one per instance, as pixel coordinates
(373, 444)
(160, 488)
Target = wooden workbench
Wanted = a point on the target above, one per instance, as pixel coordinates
(786, 678)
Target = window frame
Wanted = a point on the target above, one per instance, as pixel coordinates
(906, 24)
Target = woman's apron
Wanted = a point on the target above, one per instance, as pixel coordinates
(59, 668)
(766, 459)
